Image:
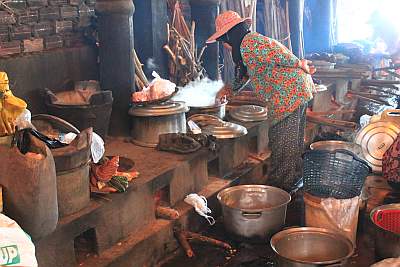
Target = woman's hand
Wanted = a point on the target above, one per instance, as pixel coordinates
(225, 93)
(307, 67)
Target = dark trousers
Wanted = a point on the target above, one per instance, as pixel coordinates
(286, 140)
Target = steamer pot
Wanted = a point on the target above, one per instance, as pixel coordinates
(149, 122)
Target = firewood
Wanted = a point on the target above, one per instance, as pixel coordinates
(139, 69)
(209, 240)
(170, 53)
(167, 213)
(139, 83)
(181, 237)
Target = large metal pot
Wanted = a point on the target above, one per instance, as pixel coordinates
(150, 121)
(311, 247)
(218, 110)
(387, 243)
(253, 211)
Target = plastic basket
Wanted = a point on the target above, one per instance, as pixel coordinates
(388, 220)
(339, 174)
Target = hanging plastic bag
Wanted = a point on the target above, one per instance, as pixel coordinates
(97, 148)
(16, 248)
(10, 107)
(200, 205)
(23, 121)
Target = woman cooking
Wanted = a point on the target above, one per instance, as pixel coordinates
(279, 78)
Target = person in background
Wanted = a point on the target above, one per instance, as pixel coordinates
(279, 78)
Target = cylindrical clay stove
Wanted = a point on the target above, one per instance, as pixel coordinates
(150, 121)
(72, 164)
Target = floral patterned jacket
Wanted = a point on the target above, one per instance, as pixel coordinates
(276, 76)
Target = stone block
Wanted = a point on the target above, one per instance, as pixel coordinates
(4, 33)
(49, 13)
(6, 18)
(53, 42)
(68, 12)
(76, 2)
(56, 251)
(233, 152)
(182, 183)
(42, 29)
(198, 170)
(36, 4)
(33, 45)
(21, 32)
(58, 2)
(16, 4)
(63, 26)
(28, 17)
(128, 213)
(10, 48)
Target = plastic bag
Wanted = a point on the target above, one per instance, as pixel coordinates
(23, 121)
(22, 140)
(97, 148)
(16, 248)
(200, 205)
(158, 88)
(339, 215)
(364, 120)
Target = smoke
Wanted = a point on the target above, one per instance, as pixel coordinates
(199, 93)
(150, 64)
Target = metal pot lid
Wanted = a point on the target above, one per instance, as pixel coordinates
(162, 109)
(248, 113)
(374, 139)
(216, 105)
(225, 130)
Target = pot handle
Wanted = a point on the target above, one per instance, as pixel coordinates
(251, 215)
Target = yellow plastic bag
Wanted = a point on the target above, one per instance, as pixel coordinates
(10, 107)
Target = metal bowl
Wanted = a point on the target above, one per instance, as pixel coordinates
(310, 246)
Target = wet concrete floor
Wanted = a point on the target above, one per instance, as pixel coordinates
(260, 254)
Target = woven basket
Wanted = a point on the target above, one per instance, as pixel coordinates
(339, 174)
